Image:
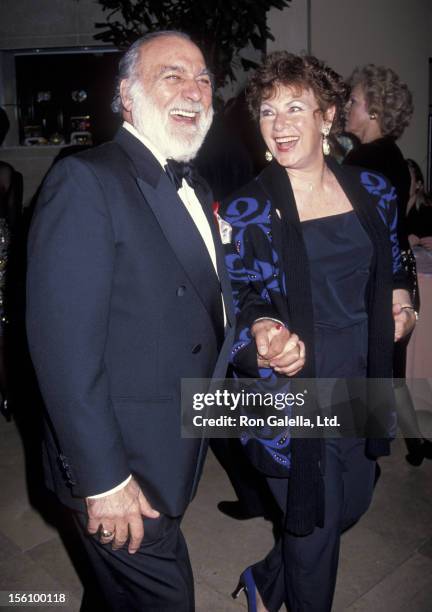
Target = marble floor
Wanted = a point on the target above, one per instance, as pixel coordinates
(386, 560)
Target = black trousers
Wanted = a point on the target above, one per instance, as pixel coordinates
(300, 571)
(249, 485)
(157, 578)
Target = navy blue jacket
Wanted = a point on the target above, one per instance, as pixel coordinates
(123, 302)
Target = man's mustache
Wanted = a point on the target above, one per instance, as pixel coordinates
(193, 108)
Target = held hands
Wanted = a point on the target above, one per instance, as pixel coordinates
(277, 348)
(404, 319)
(119, 515)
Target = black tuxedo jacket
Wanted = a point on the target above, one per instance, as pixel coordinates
(123, 302)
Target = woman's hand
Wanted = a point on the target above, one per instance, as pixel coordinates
(405, 319)
(404, 315)
(413, 240)
(426, 243)
(278, 348)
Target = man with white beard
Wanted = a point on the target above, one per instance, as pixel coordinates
(128, 294)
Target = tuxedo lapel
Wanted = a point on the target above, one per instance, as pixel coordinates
(186, 242)
(176, 224)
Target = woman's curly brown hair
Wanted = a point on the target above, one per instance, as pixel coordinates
(386, 96)
(302, 72)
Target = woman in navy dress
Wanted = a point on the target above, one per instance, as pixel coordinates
(314, 247)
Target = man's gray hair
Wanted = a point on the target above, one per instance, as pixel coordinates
(129, 63)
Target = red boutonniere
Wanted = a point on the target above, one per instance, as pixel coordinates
(225, 229)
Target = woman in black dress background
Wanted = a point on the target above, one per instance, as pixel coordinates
(380, 109)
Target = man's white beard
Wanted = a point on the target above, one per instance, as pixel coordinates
(180, 142)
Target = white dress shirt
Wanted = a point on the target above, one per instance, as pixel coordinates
(187, 196)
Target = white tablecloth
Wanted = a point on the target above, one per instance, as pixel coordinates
(419, 356)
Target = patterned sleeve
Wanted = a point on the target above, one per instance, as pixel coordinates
(386, 198)
(250, 276)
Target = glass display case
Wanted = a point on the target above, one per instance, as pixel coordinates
(64, 96)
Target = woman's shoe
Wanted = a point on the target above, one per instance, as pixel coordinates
(247, 584)
(419, 450)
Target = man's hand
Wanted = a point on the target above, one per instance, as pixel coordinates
(121, 514)
(277, 348)
(404, 319)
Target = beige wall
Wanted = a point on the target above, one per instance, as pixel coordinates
(289, 27)
(395, 33)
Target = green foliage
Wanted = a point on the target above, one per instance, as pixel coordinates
(221, 28)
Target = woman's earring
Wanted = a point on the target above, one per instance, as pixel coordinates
(268, 156)
(325, 142)
(372, 116)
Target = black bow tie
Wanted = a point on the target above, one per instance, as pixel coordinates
(177, 171)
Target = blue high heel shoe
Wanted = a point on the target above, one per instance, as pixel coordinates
(247, 584)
